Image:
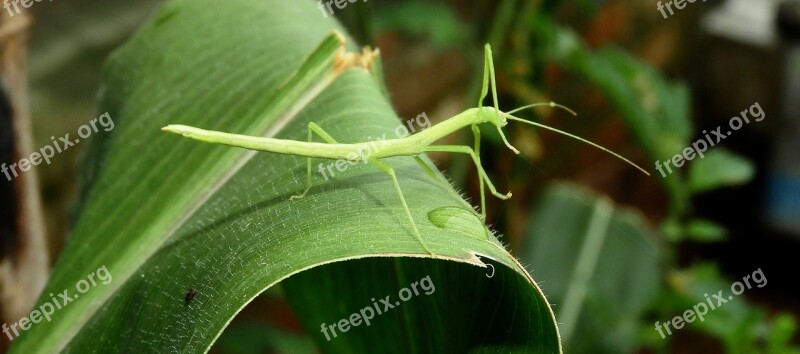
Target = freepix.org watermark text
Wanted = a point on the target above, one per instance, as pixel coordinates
(15, 5)
(715, 301)
(44, 312)
(366, 314)
(710, 139)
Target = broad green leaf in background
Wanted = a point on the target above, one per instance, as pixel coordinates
(435, 21)
(599, 264)
(165, 214)
(656, 109)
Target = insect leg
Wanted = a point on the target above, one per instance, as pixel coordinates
(313, 128)
(489, 79)
(489, 66)
(468, 150)
(485, 85)
(388, 169)
(476, 132)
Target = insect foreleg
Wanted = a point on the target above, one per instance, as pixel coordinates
(468, 150)
(489, 66)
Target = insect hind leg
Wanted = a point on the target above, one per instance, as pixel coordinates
(390, 171)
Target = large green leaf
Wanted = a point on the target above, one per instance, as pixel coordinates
(165, 214)
(599, 263)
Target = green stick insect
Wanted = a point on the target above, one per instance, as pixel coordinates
(413, 145)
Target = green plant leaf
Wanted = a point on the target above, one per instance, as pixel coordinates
(655, 108)
(719, 168)
(705, 231)
(164, 215)
(435, 21)
(599, 263)
(741, 327)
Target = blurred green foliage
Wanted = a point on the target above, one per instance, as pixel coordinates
(656, 110)
(528, 39)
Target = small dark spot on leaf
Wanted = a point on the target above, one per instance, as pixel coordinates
(190, 296)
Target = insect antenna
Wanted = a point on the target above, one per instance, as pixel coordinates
(509, 116)
(551, 104)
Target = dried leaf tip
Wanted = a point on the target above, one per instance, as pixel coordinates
(345, 60)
